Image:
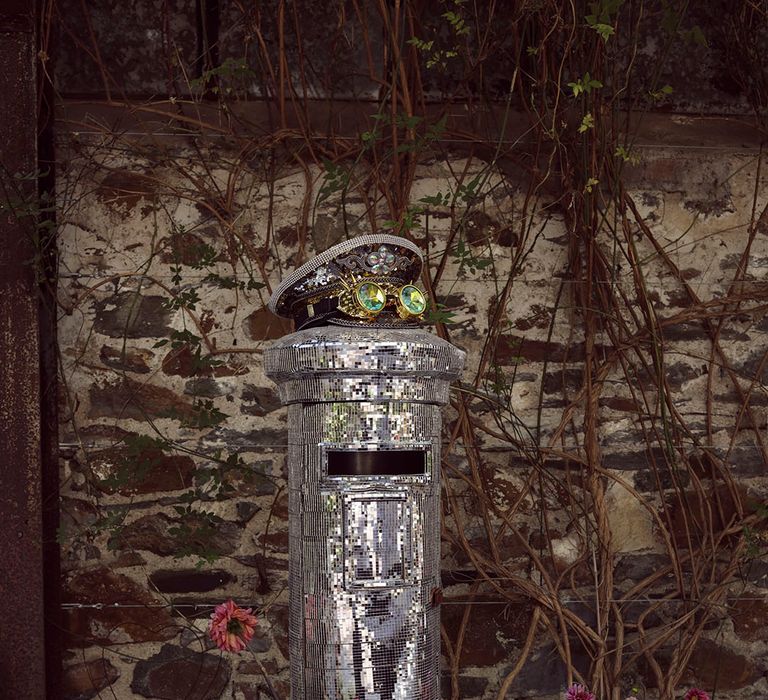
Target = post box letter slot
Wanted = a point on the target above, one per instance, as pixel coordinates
(376, 463)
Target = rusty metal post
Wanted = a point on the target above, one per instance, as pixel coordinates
(22, 632)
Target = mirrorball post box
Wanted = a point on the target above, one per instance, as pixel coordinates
(363, 385)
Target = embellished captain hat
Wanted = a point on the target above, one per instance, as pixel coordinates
(365, 281)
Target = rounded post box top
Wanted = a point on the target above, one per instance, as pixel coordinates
(340, 350)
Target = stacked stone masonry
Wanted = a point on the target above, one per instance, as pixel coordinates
(129, 224)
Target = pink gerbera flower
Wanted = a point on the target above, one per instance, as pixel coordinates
(578, 692)
(696, 694)
(231, 627)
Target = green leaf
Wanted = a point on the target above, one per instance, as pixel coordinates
(584, 85)
(604, 30)
(232, 282)
(184, 299)
(420, 44)
(336, 179)
(439, 315)
(626, 156)
(586, 123)
(697, 36)
(408, 122)
(457, 22)
(468, 261)
(437, 130)
(437, 200)
(576, 88)
(231, 70)
(659, 94)
(368, 137)
(469, 191)
(204, 414)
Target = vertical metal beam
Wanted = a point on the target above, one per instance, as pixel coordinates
(22, 636)
(49, 390)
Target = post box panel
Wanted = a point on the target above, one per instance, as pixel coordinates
(378, 536)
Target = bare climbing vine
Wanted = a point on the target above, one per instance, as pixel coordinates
(550, 94)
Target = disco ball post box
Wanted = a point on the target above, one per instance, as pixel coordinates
(364, 385)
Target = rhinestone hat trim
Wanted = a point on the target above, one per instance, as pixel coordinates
(371, 254)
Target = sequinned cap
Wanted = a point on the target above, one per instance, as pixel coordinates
(368, 280)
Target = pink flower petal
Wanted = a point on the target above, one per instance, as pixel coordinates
(218, 628)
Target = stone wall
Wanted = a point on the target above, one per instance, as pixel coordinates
(173, 469)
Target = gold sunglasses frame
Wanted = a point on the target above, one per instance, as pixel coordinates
(350, 303)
